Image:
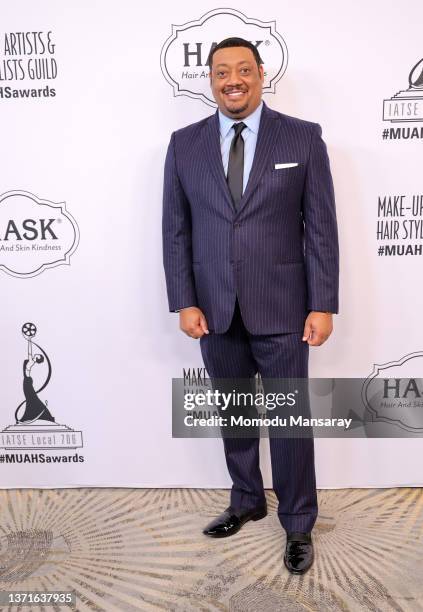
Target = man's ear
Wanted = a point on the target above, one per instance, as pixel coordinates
(261, 71)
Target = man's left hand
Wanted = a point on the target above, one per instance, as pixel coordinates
(318, 327)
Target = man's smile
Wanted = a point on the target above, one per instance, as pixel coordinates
(234, 95)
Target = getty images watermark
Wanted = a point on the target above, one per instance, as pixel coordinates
(385, 404)
(245, 407)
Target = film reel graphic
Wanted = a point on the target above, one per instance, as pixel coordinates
(29, 330)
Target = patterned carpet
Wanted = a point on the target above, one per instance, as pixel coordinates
(142, 549)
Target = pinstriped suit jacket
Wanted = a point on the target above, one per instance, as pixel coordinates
(278, 252)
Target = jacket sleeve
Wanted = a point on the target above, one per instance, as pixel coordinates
(176, 231)
(321, 248)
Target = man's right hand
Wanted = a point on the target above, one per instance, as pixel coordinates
(193, 322)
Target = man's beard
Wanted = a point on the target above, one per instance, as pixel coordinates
(238, 110)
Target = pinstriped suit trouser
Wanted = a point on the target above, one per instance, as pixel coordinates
(239, 354)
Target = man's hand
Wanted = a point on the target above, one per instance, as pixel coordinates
(193, 322)
(318, 327)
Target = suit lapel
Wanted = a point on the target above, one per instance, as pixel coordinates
(211, 142)
(267, 136)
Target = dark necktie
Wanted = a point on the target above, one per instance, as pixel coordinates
(236, 164)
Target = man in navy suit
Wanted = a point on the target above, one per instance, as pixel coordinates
(250, 252)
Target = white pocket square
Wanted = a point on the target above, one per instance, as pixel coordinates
(290, 165)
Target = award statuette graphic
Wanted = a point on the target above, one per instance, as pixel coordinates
(407, 105)
(35, 427)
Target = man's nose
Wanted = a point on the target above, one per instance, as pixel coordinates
(233, 78)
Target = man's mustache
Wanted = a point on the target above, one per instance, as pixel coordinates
(234, 90)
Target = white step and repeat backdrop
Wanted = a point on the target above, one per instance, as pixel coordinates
(89, 95)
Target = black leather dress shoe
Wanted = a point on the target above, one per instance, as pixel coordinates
(299, 553)
(231, 521)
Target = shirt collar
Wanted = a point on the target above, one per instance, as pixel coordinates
(252, 121)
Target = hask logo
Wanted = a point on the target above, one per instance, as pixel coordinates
(184, 54)
(35, 234)
(393, 393)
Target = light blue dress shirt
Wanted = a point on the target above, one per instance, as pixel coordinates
(248, 134)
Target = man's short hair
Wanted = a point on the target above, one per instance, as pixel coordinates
(234, 41)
